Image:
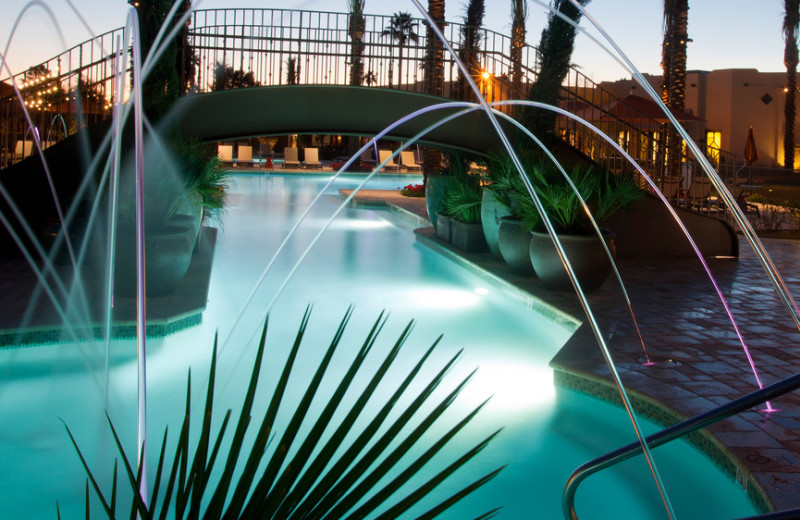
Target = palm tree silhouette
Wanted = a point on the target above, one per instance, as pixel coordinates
(401, 30)
(791, 21)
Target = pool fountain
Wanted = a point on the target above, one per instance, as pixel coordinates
(27, 369)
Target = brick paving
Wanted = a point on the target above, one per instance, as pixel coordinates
(700, 362)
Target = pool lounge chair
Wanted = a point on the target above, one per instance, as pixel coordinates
(390, 166)
(312, 158)
(290, 157)
(671, 187)
(22, 150)
(225, 153)
(408, 162)
(244, 154)
(699, 190)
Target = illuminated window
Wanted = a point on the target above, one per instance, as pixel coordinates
(713, 145)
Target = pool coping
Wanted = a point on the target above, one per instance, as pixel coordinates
(768, 488)
(179, 310)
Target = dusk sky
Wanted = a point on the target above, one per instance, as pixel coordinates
(725, 33)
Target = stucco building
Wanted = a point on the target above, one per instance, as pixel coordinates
(730, 101)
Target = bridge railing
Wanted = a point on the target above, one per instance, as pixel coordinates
(70, 91)
(261, 42)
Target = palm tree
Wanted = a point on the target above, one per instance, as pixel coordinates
(401, 30)
(555, 48)
(673, 64)
(355, 30)
(519, 14)
(434, 78)
(435, 58)
(791, 21)
(471, 40)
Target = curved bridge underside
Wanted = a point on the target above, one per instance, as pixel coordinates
(338, 110)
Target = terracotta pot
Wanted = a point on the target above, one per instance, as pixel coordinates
(586, 254)
(514, 242)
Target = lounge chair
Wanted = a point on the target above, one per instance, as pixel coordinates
(671, 187)
(225, 153)
(699, 190)
(312, 158)
(290, 157)
(408, 162)
(390, 166)
(23, 149)
(244, 154)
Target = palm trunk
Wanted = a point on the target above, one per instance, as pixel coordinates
(434, 71)
(673, 89)
(791, 22)
(400, 67)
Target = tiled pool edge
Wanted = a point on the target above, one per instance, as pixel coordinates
(664, 415)
(550, 312)
(166, 315)
(604, 389)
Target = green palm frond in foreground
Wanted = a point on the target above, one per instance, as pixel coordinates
(331, 472)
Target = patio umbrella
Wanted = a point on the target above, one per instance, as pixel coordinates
(750, 149)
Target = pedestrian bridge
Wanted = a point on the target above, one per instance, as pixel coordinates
(330, 109)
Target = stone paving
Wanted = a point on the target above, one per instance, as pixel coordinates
(700, 361)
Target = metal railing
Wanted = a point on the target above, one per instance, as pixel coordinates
(247, 47)
(64, 94)
(677, 431)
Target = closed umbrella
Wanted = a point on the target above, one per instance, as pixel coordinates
(750, 149)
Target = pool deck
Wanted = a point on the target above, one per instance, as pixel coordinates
(700, 362)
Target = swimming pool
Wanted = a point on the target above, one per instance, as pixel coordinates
(369, 258)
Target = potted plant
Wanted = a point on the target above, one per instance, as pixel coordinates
(605, 193)
(463, 205)
(513, 235)
(183, 189)
(495, 203)
(455, 165)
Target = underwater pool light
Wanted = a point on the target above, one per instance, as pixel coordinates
(512, 386)
(443, 298)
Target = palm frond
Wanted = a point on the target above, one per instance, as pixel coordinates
(307, 475)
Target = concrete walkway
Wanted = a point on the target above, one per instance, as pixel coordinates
(699, 360)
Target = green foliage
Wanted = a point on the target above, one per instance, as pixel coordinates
(462, 199)
(227, 78)
(332, 470)
(604, 192)
(161, 87)
(204, 175)
(185, 171)
(555, 48)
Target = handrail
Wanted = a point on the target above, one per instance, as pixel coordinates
(669, 434)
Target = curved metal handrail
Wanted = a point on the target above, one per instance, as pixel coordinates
(673, 432)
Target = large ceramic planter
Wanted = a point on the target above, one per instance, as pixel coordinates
(586, 254)
(491, 213)
(168, 253)
(434, 196)
(443, 227)
(468, 237)
(514, 242)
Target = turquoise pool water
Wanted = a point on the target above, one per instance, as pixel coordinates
(369, 258)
